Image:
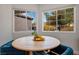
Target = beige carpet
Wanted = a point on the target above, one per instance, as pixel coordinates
(76, 52)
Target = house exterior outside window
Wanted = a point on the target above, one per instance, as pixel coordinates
(24, 21)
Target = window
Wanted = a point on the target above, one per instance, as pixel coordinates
(58, 20)
(24, 20)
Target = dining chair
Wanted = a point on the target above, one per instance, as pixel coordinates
(60, 50)
(7, 49)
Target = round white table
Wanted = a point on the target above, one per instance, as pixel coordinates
(27, 44)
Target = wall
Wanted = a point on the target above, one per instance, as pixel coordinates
(5, 24)
(69, 39)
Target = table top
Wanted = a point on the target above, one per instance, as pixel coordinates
(27, 43)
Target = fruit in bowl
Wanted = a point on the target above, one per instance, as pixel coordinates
(38, 38)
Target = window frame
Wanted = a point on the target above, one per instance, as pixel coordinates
(13, 21)
(74, 19)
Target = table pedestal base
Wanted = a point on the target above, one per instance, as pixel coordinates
(29, 52)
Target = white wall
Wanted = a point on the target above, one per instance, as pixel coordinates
(5, 24)
(69, 39)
